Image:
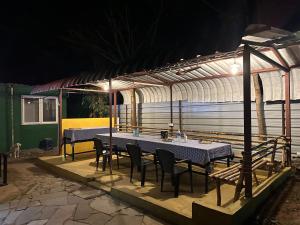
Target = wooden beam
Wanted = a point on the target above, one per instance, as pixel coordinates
(267, 59)
(60, 109)
(171, 110)
(180, 114)
(133, 108)
(295, 66)
(110, 126)
(115, 109)
(279, 57)
(126, 117)
(247, 158)
(288, 130)
(84, 90)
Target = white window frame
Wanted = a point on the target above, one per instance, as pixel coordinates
(41, 105)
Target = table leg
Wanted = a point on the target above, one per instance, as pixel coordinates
(218, 186)
(65, 148)
(228, 161)
(206, 180)
(73, 155)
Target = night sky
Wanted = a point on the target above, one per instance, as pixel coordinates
(49, 40)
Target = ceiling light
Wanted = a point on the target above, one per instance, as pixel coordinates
(234, 68)
(105, 87)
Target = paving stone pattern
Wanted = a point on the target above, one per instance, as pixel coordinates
(55, 201)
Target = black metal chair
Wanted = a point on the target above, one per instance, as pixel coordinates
(102, 149)
(137, 159)
(168, 165)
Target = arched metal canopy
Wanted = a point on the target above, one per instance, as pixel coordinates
(201, 79)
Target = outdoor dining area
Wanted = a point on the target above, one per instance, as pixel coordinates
(182, 174)
(169, 173)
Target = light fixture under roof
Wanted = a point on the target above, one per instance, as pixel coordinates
(235, 68)
(105, 87)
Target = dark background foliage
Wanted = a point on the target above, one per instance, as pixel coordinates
(41, 41)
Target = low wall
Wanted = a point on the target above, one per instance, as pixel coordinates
(238, 212)
(84, 123)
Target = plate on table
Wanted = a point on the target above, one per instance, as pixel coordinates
(205, 142)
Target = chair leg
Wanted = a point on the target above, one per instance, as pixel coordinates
(238, 188)
(191, 181)
(173, 180)
(143, 172)
(228, 161)
(162, 181)
(131, 171)
(177, 180)
(118, 160)
(255, 178)
(218, 185)
(104, 161)
(97, 161)
(156, 170)
(109, 160)
(206, 181)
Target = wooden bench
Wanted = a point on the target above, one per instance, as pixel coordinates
(263, 155)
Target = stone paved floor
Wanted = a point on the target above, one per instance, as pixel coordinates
(35, 197)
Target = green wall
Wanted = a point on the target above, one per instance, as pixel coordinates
(28, 135)
(3, 118)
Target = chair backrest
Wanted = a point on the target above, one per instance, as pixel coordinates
(135, 153)
(166, 160)
(99, 146)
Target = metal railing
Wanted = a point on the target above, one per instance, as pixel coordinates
(3, 169)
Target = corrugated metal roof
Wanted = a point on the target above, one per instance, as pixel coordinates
(202, 79)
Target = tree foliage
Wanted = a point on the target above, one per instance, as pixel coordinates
(97, 105)
(118, 39)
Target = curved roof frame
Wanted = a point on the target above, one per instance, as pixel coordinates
(268, 56)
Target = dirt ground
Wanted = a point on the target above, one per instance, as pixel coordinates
(283, 208)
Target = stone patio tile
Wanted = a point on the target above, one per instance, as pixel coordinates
(4, 206)
(30, 214)
(48, 211)
(107, 205)
(70, 187)
(149, 220)
(72, 199)
(88, 193)
(83, 210)
(97, 219)
(12, 216)
(14, 203)
(55, 201)
(33, 189)
(71, 222)
(34, 203)
(61, 215)
(126, 220)
(50, 195)
(131, 212)
(4, 213)
(38, 222)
